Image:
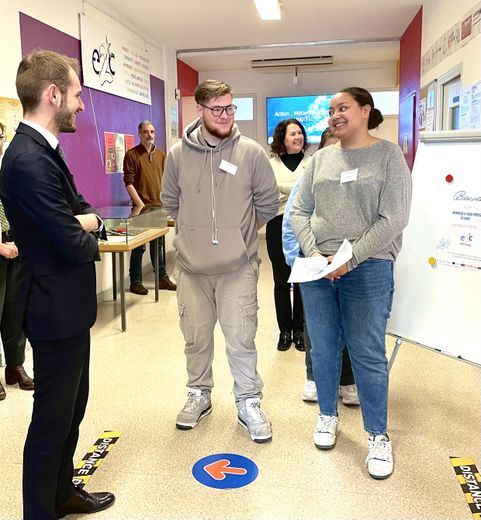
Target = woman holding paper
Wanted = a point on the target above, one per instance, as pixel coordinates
(359, 189)
(288, 162)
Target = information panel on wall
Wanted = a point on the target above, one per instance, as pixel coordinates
(112, 64)
(437, 299)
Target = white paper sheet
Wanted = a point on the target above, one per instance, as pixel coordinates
(316, 267)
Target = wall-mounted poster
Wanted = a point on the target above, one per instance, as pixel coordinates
(470, 116)
(427, 107)
(112, 64)
(115, 147)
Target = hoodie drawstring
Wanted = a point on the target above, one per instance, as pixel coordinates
(215, 235)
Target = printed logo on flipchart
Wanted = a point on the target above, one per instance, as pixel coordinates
(102, 62)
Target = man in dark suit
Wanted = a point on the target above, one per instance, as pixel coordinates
(52, 226)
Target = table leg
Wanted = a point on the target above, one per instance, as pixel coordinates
(156, 268)
(114, 277)
(162, 242)
(123, 320)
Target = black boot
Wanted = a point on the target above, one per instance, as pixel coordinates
(285, 340)
(298, 338)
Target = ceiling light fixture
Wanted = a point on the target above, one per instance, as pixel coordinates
(268, 9)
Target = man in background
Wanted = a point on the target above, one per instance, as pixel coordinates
(143, 169)
(220, 188)
(52, 226)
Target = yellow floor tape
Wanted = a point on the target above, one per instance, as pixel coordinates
(468, 477)
(94, 457)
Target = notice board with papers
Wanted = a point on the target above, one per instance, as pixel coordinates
(437, 299)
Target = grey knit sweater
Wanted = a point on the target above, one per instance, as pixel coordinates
(371, 211)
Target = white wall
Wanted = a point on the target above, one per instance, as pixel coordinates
(64, 16)
(373, 76)
(438, 17)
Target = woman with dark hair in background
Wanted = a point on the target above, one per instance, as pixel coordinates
(347, 387)
(358, 189)
(288, 162)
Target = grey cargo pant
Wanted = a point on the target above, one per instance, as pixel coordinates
(232, 299)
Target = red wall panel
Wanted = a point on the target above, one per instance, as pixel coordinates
(409, 84)
(187, 81)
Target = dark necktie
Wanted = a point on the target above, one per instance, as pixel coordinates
(60, 152)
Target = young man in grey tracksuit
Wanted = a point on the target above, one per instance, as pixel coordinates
(219, 187)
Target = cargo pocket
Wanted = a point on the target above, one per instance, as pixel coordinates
(249, 324)
(185, 326)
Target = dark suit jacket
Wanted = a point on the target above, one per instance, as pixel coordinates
(40, 200)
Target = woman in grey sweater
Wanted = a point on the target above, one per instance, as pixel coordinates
(358, 189)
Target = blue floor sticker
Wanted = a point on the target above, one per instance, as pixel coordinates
(225, 471)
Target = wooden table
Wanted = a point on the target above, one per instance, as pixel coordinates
(132, 242)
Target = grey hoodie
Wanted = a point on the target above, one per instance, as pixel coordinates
(217, 213)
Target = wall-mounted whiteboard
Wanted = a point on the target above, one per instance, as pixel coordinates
(437, 300)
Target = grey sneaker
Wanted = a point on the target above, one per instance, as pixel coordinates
(198, 405)
(253, 419)
(326, 432)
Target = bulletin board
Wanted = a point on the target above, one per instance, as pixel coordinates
(437, 299)
(10, 115)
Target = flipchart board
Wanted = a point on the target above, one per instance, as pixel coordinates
(437, 299)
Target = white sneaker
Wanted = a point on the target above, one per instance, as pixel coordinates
(310, 392)
(348, 394)
(326, 431)
(379, 459)
(254, 420)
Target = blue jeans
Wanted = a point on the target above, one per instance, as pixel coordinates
(136, 255)
(354, 310)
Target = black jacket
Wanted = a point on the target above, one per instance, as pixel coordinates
(40, 200)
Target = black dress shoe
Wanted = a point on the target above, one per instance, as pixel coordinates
(83, 503)
(285, 340)
(298, 338)
(14, 375)
(3, 394)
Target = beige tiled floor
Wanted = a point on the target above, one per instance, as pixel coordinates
(137, 386)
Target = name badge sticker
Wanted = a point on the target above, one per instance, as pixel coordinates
(228, 167)
(349, 176)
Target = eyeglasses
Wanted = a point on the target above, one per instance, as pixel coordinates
(3, 137)
(230, 110)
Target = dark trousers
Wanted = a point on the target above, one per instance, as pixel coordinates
(290, 316)
(61, 371)
(347, 376)
(14, 284)
(136, 255)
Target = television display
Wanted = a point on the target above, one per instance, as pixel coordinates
(311, 111)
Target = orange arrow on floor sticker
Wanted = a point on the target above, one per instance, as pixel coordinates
(218, 469)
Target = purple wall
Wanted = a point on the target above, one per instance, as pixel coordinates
(103, 112)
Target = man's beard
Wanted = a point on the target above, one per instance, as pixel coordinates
(213, 130)
(65, 120)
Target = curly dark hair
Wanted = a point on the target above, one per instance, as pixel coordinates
(278, 147)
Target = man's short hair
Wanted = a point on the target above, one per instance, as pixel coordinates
(39, 69)
(145, 122)
(211, 89)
